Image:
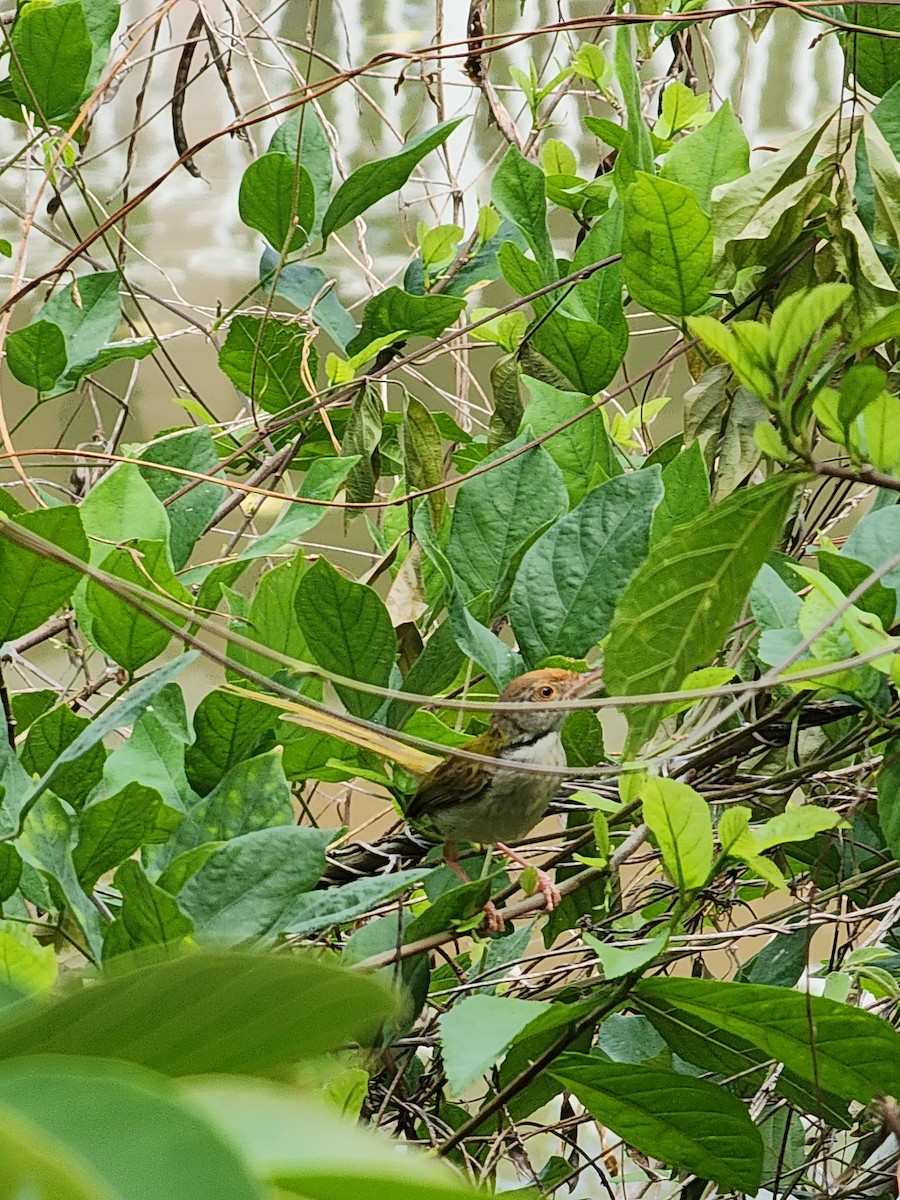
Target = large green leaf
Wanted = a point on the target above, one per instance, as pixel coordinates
(313, 153)
(276, 197)
(566, 590)
(233, 1013)
(395, 311)
(88, 311)
(322, 481)
(148, 915)
(679, 606)
(476, 1033)
(583, 451)
(305, 1149)
(191, 450)
(518, 189)
(252, 887)
(264, 359)
(680, 820)
(872, 59)
(271, 620)
(176, 1154)
(685, 492)
(227, 727)
(334, 905)
(36, 355)
(130, 637)
(685, 1122)
(666, 247)
(51, 55)
(111, 830)
(498, 514)
(32, 587)
(840, 1049)
(374, 180)
(48, 736)
(717, 153)
(348, 631)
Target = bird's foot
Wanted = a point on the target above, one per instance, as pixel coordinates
(549, 890)
(494, 922)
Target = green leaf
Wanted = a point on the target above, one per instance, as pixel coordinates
(322, 481)
(841, 1049)
(348, 631)
(600, 295)
(420, 441)
(251, 887)
(616, 961)
(518, 190)
(88, 312)
(685, 492)
(337, 905)
(570, 580)
(232, 1013)
(123, 712)
(148, 915)
(872, 59)
(636, 152)
(111, 830)
(395, 311)
(666, 247)
(264, 357)
(50, 58)
(32, 587)
(277, 198)
(313, 153)
(580, 448)
(373, 181)
(190, 450)
(889, 797)
(37, 355)
(176, 1155)
(476, 1033)
(679, 606)
(680, 821)
(271, 620)
(874, 540)
(499, 513)
(25, 965)
(718, 153)
(797, 322)
(333, 1158)
(119, 508)
(131, 638)
(227, 727)
(48, 736)
(362, 438)
(688, 1123)
(309, 289)
(46, 844)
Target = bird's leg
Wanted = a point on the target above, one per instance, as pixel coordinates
(493, 920)
(545, 886)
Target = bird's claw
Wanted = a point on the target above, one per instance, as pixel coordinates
(549, 890)
(494, 922)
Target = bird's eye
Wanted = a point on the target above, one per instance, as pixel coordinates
(547, 692)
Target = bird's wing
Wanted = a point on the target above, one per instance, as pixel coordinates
(454, 780)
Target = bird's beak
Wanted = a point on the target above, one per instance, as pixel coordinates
(587, 684)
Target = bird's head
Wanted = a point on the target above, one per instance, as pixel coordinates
(537, 692)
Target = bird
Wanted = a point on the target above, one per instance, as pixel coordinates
(493, 803)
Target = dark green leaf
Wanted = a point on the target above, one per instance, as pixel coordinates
(373, 181)
(263, 358)
(841, 1049)
(276, 197)
(348, 631)
(577, 450)
(570, 580)
(889, 798)
(227, 727)
(232, 1013)
(336, 905)
(271, 620)
(313, 153)
(111, 830)
(396, 311)
(678, 607)
(848, 573)
(685, 492)
(48, 736)
(685, 1122)
(10, 870)
(498, 513)
(362, 438)
(51, 56)
(421, 445)
(666, 247)
(32, 588)
(190, 450)
(873, 60)
(129, 637)
(148, 916)
(37, 355)
(252, 887)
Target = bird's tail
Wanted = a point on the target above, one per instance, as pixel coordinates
(358, 860)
